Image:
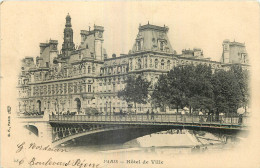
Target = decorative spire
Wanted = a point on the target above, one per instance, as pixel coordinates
(68, 20)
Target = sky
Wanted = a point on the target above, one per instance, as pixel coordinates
(191, 24)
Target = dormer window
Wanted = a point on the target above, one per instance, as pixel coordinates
(138, 45)
(161, 45)
(139, 64)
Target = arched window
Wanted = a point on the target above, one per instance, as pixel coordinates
(80, 70)
(156, 63)
(84, 69)
(89, 69)
(162, 64)
(168, 64)
(145, 64)
(139, 63)
(151, 62)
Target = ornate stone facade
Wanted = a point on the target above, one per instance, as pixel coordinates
(83, 78)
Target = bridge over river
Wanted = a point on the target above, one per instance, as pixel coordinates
(122, 128)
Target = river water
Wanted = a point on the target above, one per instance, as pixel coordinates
(166, 142)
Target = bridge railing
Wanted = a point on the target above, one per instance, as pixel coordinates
(156, 118)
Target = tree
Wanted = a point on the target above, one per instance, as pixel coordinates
(227, 94)
(136, 90)
(160, 95)
(172, 88)
(201, 89)
(242, 78)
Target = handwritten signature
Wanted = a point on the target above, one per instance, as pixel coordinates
(34, 146)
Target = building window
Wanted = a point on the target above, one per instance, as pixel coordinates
(75, 88)
(89, 88)
(145, 64)
(168, 64)
(139, 64)
(89, 69)
(114, 87)
(161, 46)
(131, 65)
(156, 63)
(84, 69)
(65, 88)
(162, 64)
(138, 45)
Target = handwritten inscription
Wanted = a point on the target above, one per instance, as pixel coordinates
(34, 146)
(78, 163)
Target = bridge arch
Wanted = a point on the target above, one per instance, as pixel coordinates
(99, 129)
(33, 129)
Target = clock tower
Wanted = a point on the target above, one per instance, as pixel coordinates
(68, 44)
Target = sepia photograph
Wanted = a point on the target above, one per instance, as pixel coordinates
(122, 84)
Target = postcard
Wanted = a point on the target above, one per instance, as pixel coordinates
(130, 84)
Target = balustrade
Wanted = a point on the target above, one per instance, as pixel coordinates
(156, 118)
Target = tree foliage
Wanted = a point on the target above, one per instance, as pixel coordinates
(198, 87)
(136, 90)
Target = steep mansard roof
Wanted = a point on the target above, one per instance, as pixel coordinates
(150, 37)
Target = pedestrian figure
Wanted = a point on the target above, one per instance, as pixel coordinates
(147, 113)
(121, 113)
(200, 116)
(240, 119)
(152, 115)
